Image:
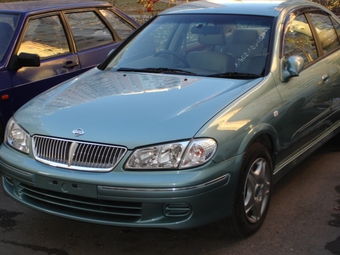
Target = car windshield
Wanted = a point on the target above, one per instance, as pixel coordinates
(8, 24)
(233, 46)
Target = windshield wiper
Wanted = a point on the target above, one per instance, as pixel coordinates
(236, 75)
(155, 70)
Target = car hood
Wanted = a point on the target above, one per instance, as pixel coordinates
(128, 108)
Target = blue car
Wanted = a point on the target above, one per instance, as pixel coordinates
(43, 43)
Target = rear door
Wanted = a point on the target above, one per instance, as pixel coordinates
(93, 37)
(330, 42)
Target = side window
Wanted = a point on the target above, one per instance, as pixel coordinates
(159, 35)
(45, 37)
(326, 32)
(121, 26)
(88, 30)
(299, 40)
(337, 27)
(7, 32)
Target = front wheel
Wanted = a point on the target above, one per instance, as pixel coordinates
(252, 197)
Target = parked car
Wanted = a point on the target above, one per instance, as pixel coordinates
(191, 120)
(63, 38)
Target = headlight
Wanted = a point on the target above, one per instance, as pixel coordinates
(173, 155)
(199, 152)
(17, 137)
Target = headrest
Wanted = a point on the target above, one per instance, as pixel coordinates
(218, 39)
(245, 36)
(209, 35)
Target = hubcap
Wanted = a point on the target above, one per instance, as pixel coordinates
(256, 190)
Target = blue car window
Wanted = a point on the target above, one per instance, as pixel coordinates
(121, 26)
(6, 35)
(45, 37)
(8, 23)
(88, 30)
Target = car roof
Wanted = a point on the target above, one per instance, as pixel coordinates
(253, 7)
(51, 5)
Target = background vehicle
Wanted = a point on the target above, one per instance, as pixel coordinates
(191, 120)
(63, 38)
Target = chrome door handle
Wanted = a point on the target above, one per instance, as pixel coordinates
(325, 78)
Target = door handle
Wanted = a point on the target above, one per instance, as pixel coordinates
(325, 78)
(70, 64)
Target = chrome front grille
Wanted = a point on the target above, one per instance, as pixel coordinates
(76, 155)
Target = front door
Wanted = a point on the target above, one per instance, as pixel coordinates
(46, 37)
(307, 97)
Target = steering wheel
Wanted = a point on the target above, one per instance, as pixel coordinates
(173, 54)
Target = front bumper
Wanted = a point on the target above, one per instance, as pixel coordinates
(172, 199)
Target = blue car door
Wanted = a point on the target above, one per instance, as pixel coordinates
(93, 38)
(46, 37)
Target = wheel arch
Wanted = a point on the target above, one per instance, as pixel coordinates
(264, 134)
(250, 151)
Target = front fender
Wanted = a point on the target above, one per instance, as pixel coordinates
(258, 114)
(259, 133)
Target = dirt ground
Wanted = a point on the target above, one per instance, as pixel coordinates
(140, 6)
(138, 9)
(134, 6)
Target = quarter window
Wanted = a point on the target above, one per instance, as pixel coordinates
(45, 37)
(88, 30)
(326, 32)
(337, 27)
(122, 27)
(299, 40)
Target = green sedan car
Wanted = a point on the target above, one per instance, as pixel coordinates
(191, 120)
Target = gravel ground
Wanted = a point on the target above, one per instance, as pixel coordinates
(136, 7)
(138, 10)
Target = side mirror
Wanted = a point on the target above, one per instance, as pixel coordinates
(291, 67)
(23, 59)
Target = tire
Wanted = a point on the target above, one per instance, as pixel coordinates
(252, 196)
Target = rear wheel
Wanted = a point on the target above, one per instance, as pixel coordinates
(252, 197)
